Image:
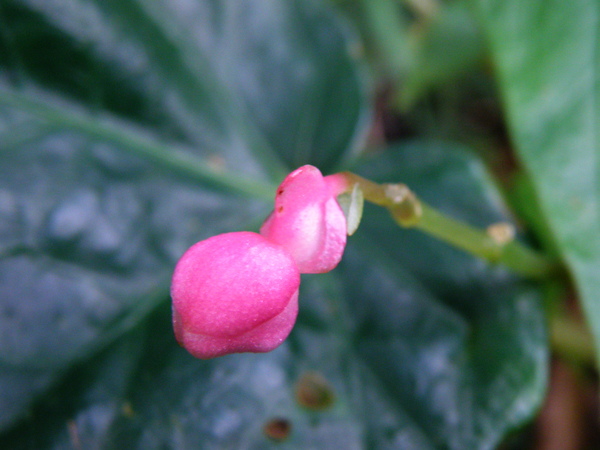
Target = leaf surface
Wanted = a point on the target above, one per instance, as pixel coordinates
(126, 137)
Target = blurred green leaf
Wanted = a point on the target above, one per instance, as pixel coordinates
(546, 55)
(418, 46)
(445, 48)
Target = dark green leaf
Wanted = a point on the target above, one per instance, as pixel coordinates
(126, 129)
(445, 48)
(83, 408)
(458, 343)
(451, 357)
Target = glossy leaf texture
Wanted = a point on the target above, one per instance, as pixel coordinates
(548, 67)
(130, 130)
(123, 135)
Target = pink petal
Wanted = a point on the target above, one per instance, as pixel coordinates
(234, 292)
(264, 338)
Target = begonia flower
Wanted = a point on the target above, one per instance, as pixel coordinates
(235, 292)
(308, 221)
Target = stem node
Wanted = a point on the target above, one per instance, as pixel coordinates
(403, 204)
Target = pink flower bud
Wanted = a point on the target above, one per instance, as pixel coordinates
(308, 221)
(235, 292)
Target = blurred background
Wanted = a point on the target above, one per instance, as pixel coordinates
(131, 129)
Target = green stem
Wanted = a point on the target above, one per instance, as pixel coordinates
(512, 254)
(496, 244)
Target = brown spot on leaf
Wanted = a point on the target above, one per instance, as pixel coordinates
(277, 429)
(313, 391)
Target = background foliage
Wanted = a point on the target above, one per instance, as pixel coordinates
(131, 129)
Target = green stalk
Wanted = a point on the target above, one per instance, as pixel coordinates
(511, 253)
(496, 244)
